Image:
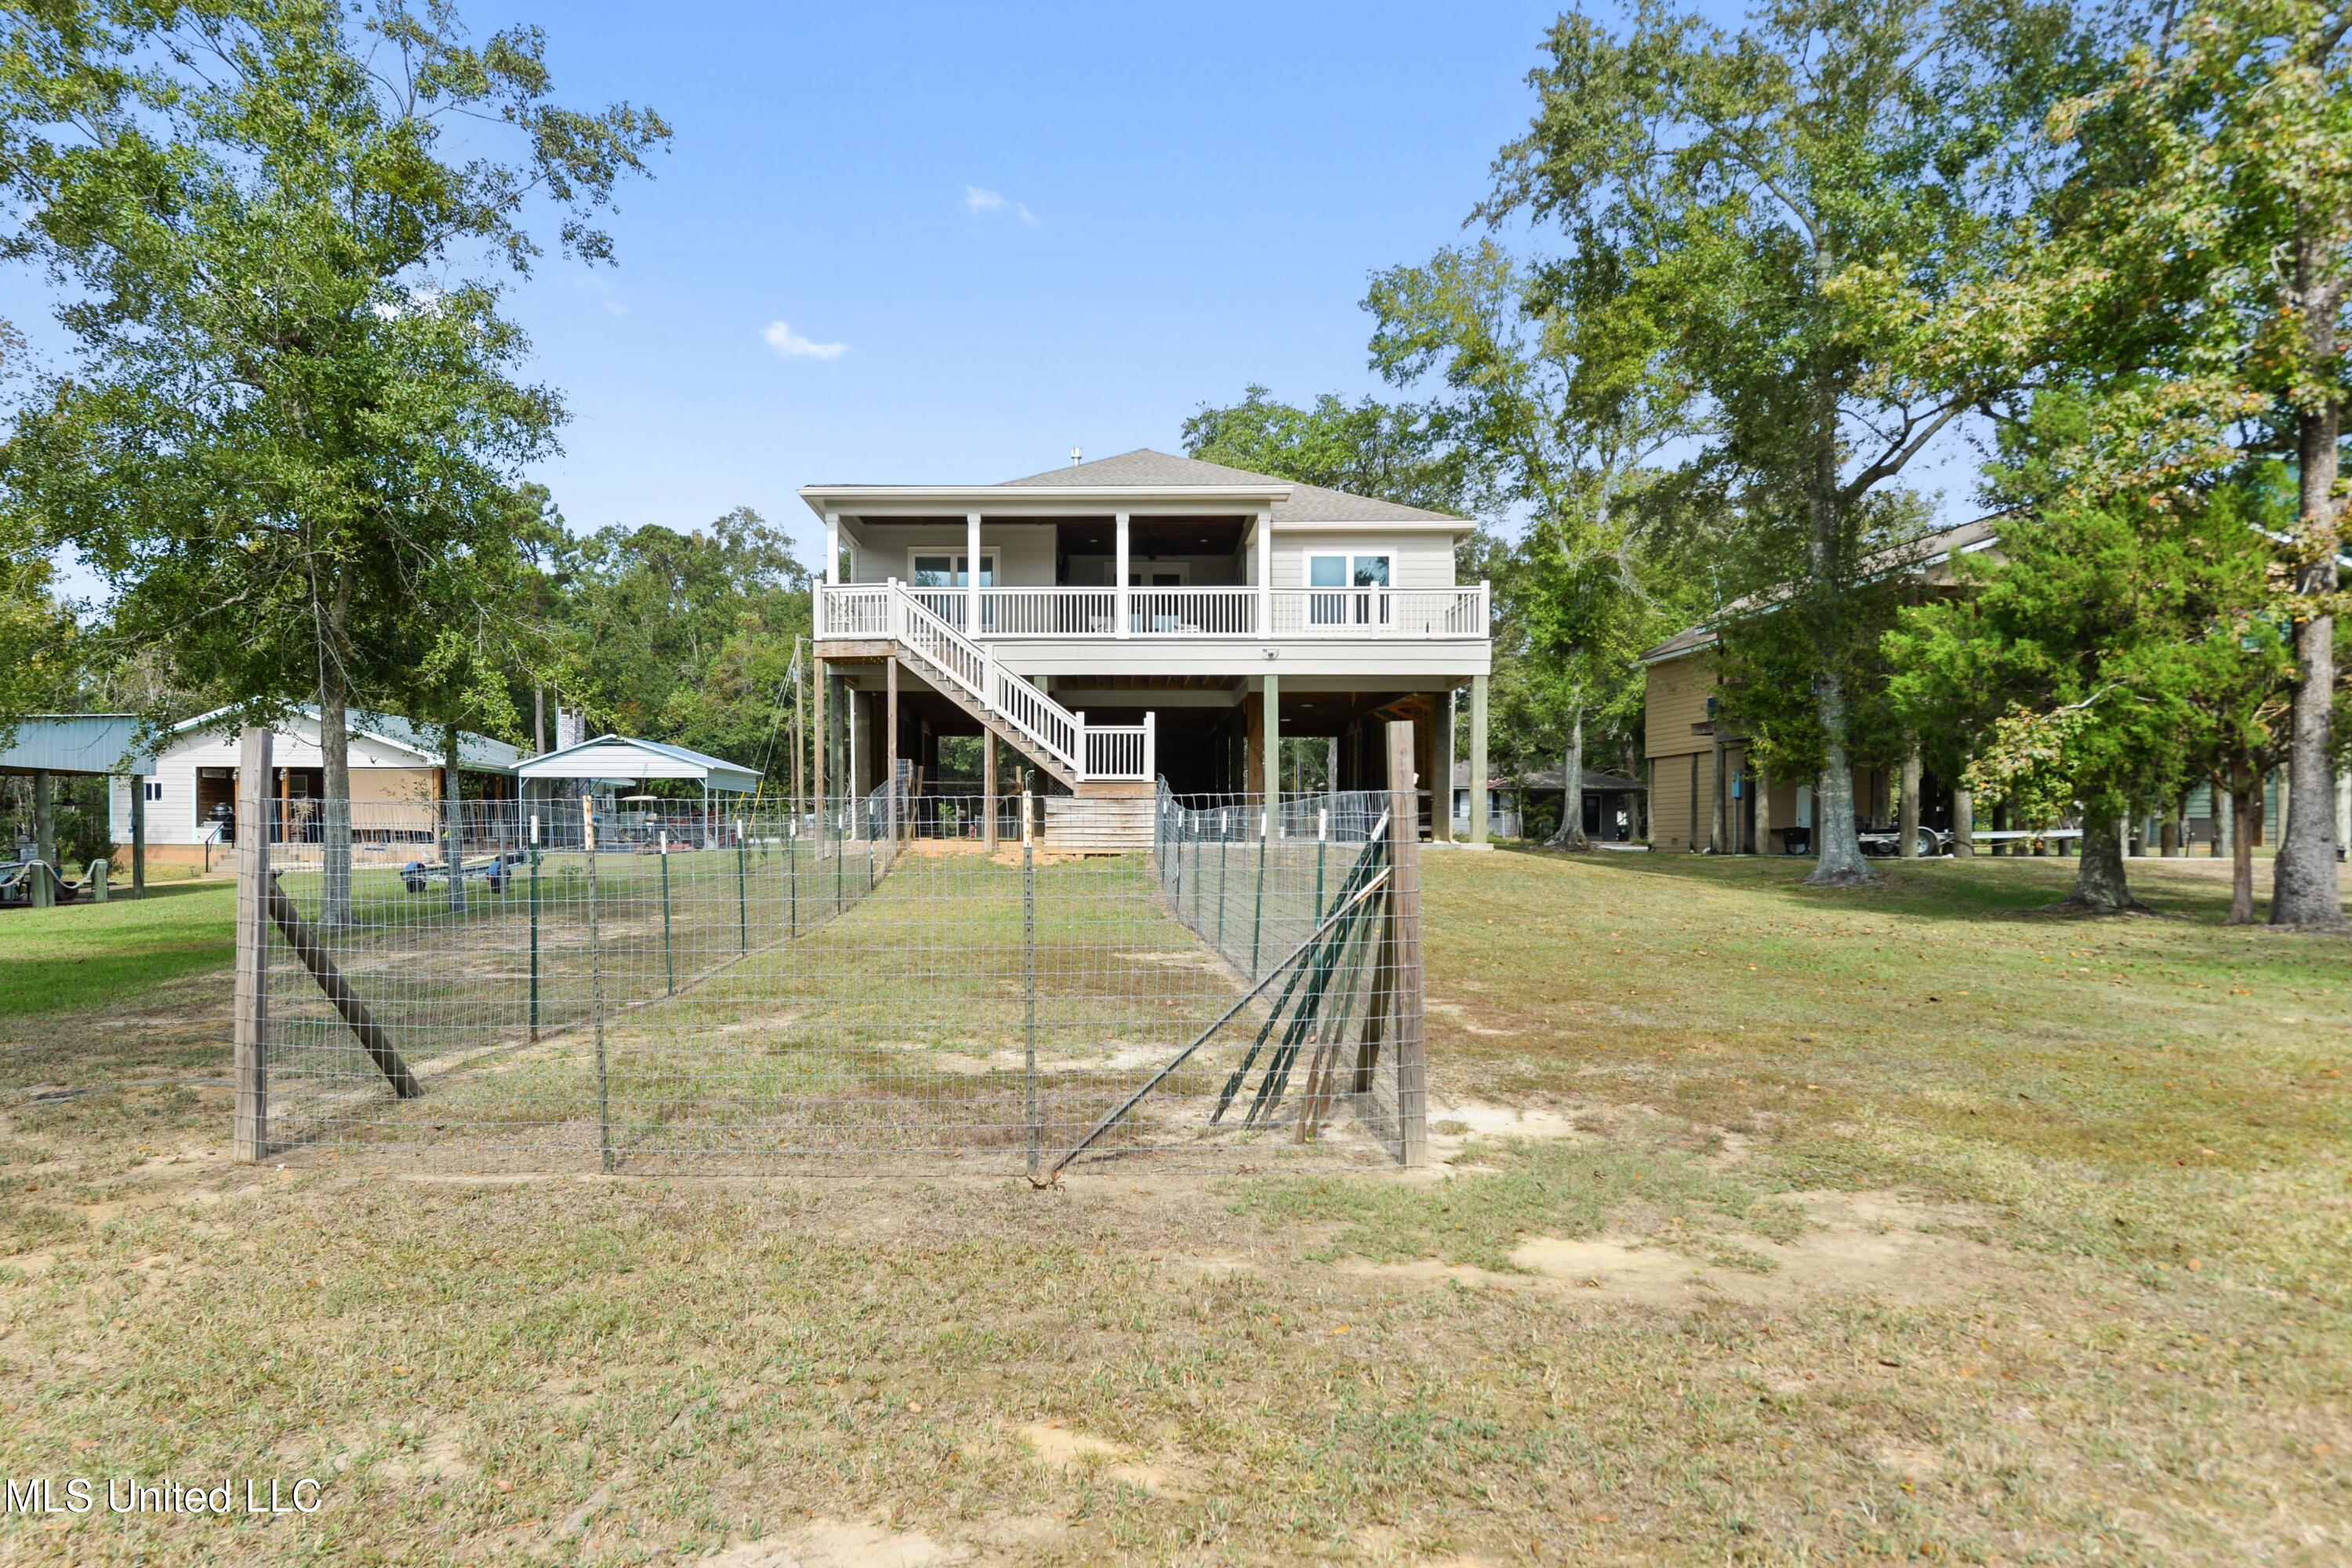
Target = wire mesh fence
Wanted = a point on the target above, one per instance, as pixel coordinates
(858, 988)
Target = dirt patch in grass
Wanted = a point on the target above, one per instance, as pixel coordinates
(1972, 1238)
(1057, 1446)
(842, 1544)
(1884, 1247)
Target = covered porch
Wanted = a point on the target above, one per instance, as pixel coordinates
(1128, 574)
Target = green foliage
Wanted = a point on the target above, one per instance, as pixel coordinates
(1563, 438)
(1773, 652)
(41, 649)
(1712, 187)
(2117, 655)
(687, 637)
(1368, 448)
(289, 443)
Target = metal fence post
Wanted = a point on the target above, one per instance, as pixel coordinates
(743, 895)
(597, 987)
(534, 926)
(1193, 838)
(670, 965)
(1029, 984)
(1224, 841)
(1257, 914)
(250, 1136)
(1322, 844)
(1404, 949)
(793, 872)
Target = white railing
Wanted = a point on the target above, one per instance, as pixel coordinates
(1337, 614)
(1380, 612)
(1048, 612)
(924, 621)
(931, 638)
(862, 610)
(965, 664)
(1192, 612)
(948, 604)
(1037, 716)
(1121, 750)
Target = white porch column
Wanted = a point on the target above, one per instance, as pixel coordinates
(832, 549)
(971, 575)
(1266, 573)
(1119, 576)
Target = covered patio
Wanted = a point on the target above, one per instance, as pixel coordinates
(83, 745)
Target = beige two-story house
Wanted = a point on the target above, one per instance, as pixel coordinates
(1146, 617)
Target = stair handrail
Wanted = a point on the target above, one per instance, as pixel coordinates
(1001, 691)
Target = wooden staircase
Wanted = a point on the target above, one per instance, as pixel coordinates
(995, 723)
(1092, 761)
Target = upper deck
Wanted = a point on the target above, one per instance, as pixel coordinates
(1152, 565)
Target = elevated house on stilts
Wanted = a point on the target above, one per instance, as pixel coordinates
(1141, 618)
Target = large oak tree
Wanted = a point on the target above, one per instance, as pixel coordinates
(296, 413)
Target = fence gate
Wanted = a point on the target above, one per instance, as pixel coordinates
(878, 983)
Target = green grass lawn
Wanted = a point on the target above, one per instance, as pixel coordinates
(81, 956)
(1770, 1226)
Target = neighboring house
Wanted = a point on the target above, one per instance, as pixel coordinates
(1704, 794)
(1613, 804)
(1138, 617)
(396, 780)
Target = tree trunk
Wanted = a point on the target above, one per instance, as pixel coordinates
(1964, 821)
(1840, 863)
(335, 810)
(1906, 826)
(2243, 798)
(1836, 835)
(1571, 788)
(2303, 887)
(2100, 883)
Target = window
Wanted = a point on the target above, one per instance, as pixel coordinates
(941, 575)
(945, 569)
(1356, 590)
(153, 788)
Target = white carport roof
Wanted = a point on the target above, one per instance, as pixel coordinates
(620, 757)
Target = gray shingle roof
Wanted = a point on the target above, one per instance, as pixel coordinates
(1307, 503)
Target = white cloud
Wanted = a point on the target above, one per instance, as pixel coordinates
(792, 345)
(980, 202)
(594, 286)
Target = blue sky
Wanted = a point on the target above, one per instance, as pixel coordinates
(895, 243)
(1175, 202)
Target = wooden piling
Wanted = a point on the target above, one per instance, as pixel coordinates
(250, 1136)
(1405, 988)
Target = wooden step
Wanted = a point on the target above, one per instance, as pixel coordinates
(1096, 825)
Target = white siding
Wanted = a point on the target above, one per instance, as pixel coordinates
(172, 819)
(1024, 550)
(1415, 559)
(1200, 571)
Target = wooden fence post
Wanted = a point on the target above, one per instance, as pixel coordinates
(250, 1138)
(1404, 949)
